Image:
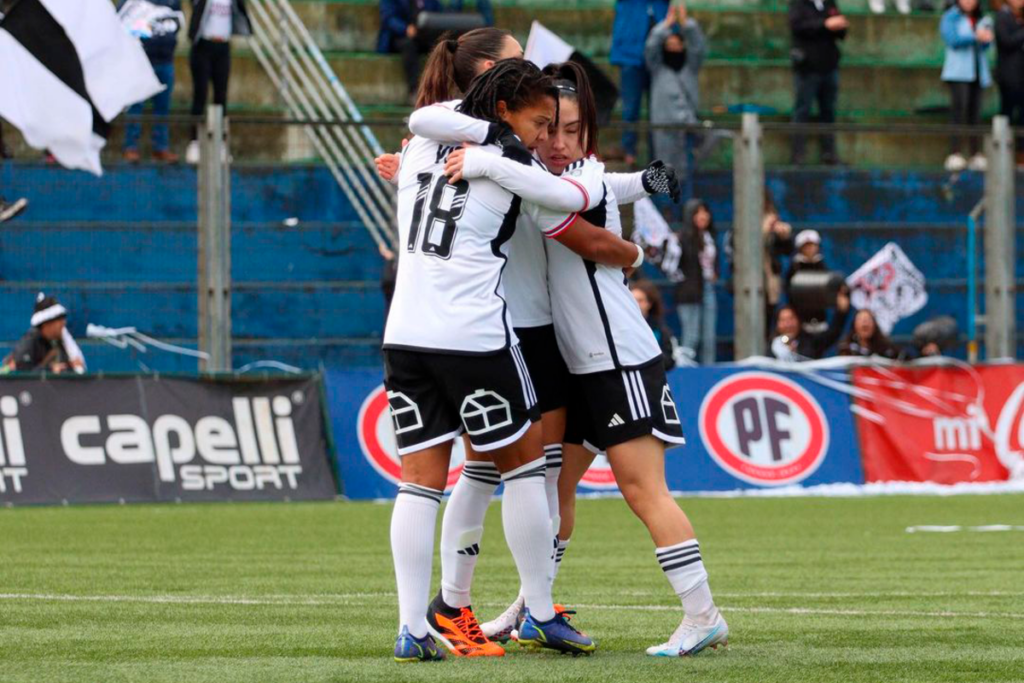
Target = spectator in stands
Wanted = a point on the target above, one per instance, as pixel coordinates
(674, 54)
(808, 258)
(967, 36)
(816, 26)
(159, 46)
(648, 298)
(793, 343)
(695, 297)
(865, 339)
(398, 33)
(778, 242)
(210, 30)
(1010, 67)
(47, 346)
(634, 19)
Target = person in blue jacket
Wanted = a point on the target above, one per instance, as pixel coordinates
(968, 36)
(399, 32)
(634, 19)
(159, 40)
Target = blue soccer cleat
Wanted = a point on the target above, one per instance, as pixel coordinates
(408, 648)
(556, 634)
(691, 638)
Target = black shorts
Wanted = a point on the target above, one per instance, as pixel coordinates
(615, 406)
(547, 367)
(434, 397)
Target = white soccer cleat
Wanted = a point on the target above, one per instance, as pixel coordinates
(691, 637)
(502, 628)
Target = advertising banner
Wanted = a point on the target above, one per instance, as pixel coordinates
(150, 438)
(941, 424)
(744, 429)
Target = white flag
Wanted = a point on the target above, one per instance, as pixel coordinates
(652, 232)
(544, 47)
(890, 286)
(67, 68)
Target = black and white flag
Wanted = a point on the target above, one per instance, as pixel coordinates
(67, 68)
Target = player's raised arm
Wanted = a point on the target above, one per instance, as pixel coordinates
(532, 183)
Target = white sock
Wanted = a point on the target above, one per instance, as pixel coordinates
(524, 512)
(685, 571)
(553, 464)
(462, 527)
(412, 545)
(560, 553)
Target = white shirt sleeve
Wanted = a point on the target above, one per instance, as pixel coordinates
(550, 223)
(532, 183)
(628, 187)
(442, 123)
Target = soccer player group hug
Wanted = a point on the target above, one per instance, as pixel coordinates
(512, 326)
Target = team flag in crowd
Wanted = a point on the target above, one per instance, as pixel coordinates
(544, 47)
(67, 68)
(653, 234)
(889, 285)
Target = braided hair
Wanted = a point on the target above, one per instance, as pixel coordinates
(572, 82)
(516, 82)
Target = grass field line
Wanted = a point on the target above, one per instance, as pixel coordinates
(353, 598)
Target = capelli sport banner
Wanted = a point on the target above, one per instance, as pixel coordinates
(151, 439)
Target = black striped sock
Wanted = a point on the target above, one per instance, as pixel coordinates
(532, 469)
(685, 570)
(553, 455)
(420, 491)
(484, 473)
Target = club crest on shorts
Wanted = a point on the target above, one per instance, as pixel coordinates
(376, 429)
(764, 429)
(484, 411)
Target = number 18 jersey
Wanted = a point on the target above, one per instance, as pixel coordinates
(453, 248)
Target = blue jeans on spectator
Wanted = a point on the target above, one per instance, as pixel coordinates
(634, 81)
(698, 322)
(161, 107)
(813, 86)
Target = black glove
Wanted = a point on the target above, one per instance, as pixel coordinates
(511, 146)
(658, 178)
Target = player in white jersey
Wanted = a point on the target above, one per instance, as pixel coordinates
(622, 403)
(452, 360)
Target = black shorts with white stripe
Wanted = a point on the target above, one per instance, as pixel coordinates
(547, 367)
(616, 406)
(435, 397)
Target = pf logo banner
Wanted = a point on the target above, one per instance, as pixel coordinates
(764, 429)
(376, 430)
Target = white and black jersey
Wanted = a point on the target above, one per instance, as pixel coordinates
(449, 295)
(597, 320)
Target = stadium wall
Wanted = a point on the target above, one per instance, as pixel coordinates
(121, 250)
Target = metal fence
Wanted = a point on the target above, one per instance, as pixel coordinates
(257, 255)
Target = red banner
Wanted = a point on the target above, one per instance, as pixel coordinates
(945, 425)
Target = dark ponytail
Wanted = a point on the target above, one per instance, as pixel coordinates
(572, 82)
(454, 61)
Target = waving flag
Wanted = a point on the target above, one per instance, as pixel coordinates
(67, 68)
(890, 285)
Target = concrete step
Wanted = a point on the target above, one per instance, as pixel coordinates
(732, 32)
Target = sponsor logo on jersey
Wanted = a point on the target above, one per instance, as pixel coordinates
(764, 429)
(257, 449)
(376, 430)
(13, 467)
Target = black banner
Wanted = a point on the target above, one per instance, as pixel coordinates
(152, 438)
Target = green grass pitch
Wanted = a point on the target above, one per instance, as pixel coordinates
(814, 590)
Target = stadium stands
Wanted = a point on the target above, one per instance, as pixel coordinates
(308, 295)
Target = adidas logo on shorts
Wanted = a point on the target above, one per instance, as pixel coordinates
(616, 421)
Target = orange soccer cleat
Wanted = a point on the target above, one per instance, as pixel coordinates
(458, 630)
